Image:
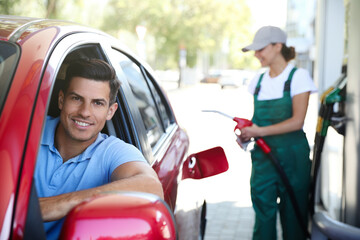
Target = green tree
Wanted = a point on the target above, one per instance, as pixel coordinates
(195, 25)
(51, 9)
(7, 6)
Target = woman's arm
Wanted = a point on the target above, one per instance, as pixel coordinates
(296, 122)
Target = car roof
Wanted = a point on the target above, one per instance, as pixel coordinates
(17, 28)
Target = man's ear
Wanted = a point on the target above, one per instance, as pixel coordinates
(61, 99)
(111, 111)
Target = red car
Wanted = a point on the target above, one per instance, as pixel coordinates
(33, 56)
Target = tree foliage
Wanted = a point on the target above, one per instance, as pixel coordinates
(7, 6)
(196, 25)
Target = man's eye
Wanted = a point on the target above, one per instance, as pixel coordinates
(99, 103)
(75, 98)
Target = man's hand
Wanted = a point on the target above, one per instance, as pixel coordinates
(130, 176)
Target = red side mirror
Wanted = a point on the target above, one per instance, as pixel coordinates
(205, 164)
(123, 216)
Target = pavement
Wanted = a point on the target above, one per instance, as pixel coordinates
(230, 214)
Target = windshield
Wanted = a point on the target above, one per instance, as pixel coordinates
(9, 54)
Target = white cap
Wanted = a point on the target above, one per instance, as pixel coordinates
(264, 36)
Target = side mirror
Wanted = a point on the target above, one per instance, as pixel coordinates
(205, 164)
(121, 215)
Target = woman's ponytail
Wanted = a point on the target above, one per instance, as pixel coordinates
(288, 52)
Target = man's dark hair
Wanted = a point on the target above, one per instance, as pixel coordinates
(94, 69)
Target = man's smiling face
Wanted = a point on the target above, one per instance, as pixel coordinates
(85, 108)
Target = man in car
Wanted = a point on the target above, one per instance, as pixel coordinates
(75, 160)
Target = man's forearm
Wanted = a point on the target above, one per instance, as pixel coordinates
(56, 207)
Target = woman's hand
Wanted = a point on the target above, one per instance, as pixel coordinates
(296, 122)
(245, 135)
(249, 132)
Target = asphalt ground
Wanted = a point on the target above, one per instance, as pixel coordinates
(230, 214)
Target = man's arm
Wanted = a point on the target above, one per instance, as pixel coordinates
(130, 176)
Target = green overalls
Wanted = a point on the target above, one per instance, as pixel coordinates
(292, 151)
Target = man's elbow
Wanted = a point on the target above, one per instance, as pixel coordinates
(157, 186)
(154, 186)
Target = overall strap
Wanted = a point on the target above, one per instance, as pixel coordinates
(257, 89)
(288, 81)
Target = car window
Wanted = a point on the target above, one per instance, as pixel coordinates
(164, 112)
(82, 51)
(147, 100)
(9, 54)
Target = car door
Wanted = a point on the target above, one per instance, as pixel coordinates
(21, 125)
(144, 117)
(52, 76)
(140, 120)
(43, 75)
(163, 142)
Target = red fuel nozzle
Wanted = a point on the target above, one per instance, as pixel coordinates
(241, 123)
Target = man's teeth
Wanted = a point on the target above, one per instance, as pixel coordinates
(82, 124)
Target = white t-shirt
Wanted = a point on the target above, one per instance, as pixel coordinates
(272, 88)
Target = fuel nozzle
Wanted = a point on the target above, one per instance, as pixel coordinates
(241, 123)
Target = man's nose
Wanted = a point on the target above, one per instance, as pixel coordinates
(85, 109)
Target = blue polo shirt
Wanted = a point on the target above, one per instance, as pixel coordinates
(91, 168)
